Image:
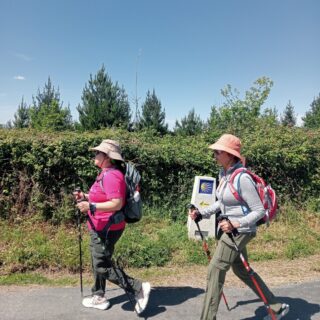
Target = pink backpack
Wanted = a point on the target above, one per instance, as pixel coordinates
(265, 191)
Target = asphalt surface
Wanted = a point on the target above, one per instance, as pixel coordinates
(170, 303)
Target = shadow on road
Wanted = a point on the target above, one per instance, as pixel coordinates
(161, 297)
(300, 309)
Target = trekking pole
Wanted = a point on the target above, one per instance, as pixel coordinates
(205, 246)
(77, 191)
(80, 252)
(247, 267)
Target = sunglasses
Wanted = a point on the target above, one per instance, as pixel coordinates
(217, 152)
(97, 152)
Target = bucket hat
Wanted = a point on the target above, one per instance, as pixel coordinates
(110, 148)
(229, 143)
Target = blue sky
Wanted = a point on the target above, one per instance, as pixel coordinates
(186, 50)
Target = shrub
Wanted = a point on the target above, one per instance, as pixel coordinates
(39, 171)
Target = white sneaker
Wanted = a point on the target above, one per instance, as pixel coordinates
(281, 313)
(142, 297)
(96, 302)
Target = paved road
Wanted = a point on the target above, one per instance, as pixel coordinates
(169, 303)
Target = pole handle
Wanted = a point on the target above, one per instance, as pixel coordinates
(235, 231)
(198, 218)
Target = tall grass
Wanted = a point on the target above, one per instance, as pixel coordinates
(31, 246)
(295, 233)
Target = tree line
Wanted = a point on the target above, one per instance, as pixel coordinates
(105, 104)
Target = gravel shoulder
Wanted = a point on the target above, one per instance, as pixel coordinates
(274, 272)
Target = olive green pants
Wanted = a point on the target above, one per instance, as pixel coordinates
(225, 257)
(102, 248)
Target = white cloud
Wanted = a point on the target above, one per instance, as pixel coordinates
(19, 78)
(22, 56)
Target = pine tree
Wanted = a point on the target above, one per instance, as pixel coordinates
(21, 117)
(8, 125)
(47, 112)
(48, 94)
(51, 117)
(312, 117)
(190, 125)
(289, 119)
(104, 104)
(152, 114)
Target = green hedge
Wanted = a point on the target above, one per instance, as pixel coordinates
(39, 171)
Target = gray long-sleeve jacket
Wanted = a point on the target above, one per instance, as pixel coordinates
(247, 215)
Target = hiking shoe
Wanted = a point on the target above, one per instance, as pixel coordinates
(142, 297)
(96, 302)
(281, 313)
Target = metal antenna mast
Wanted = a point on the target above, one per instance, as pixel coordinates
(136, 100)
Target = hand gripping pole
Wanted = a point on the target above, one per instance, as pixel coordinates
(231, 235)
(205, 246)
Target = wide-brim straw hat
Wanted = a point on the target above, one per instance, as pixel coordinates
(229, 143)
(111, 148)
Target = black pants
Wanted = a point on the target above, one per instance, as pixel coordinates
(102, 248)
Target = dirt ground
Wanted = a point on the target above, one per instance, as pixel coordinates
(274, 273)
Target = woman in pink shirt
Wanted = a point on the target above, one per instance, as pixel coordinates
(106, 197)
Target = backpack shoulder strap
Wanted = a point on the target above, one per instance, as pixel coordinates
(237, 191)
(231, 180)
(104, 174)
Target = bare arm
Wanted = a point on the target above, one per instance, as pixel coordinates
(111, 205)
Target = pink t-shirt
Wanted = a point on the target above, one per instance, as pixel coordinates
(114, 186)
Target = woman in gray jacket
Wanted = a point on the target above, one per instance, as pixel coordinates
(227, 154)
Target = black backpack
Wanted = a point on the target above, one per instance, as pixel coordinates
(132, 210)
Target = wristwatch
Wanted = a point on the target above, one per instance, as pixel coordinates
(92, 207)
